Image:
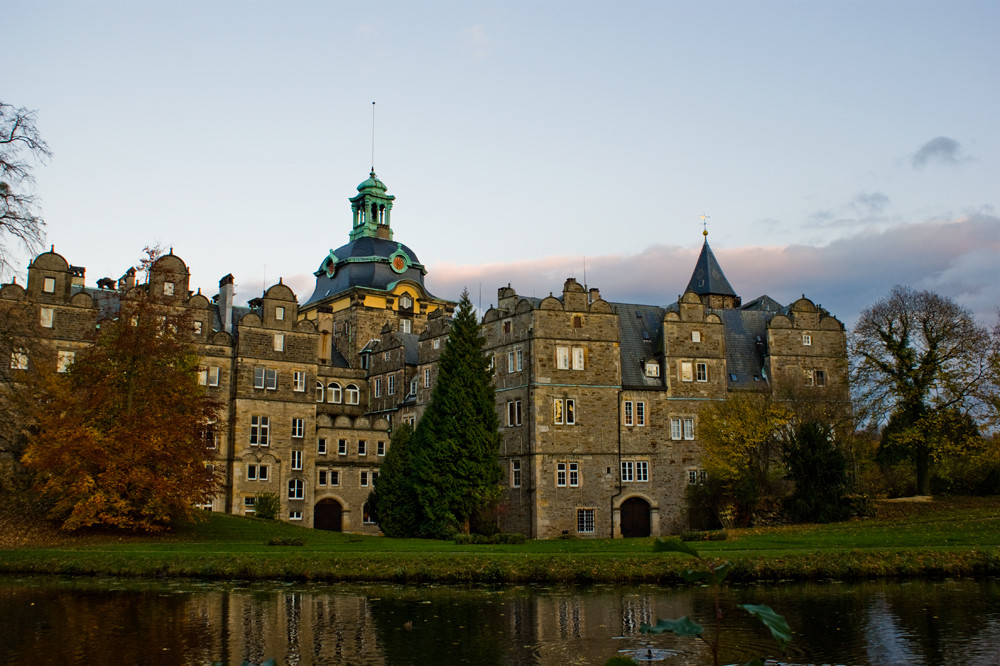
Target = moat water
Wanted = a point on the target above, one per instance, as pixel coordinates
(116, 621)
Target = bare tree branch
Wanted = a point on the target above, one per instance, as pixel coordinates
(20, 144)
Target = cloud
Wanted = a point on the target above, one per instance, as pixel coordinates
(478, 40)
(864, 208)
(955, 258)
(939, 150)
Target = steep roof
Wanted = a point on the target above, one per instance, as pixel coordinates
(708, 277)
(640, 333)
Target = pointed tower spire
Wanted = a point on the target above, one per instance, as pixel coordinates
(708, 281)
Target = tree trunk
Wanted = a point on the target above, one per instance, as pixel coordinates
(923, 458)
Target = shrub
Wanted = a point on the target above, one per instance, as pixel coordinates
(287, 541)
(266, 505)
(705, 535)
(488, 539)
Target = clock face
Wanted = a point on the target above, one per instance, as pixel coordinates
(398, 263)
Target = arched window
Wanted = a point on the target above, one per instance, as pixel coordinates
(352, 395)
(296, 489)
(333, 393)
(319, 391)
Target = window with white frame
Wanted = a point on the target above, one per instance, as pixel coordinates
(65, 360)
(260, 431)
(585, 521)
(561, 475)
(652, 369)
(296, 460)
(298, 427)
(641, 471)
(321, 477)
(406, 325)
(49, 285)
(265, 378)
(202, 376)
(279, 342)
(807, 339)
(296, 489)
(687, 371)
(321, 446)
(362, 447)
(364, 479)
(320, 393)
(213, 375)
(427, 377)
(19, 359)
(695, 336)
(405, 301)
(334, 393)
(294, 515)
(676, 428)
(46, 317)
(564, 411)
(515, 473)
(629, 416)
(513, 412)
(574, 474)
(628, 471)
(436, 343)
(413, 385)
(701, 372)
(352, 395)
(377, 387)
(380, 448)
(279, 313)
(689, 428)
(299, 381)
(562, 358)
(334, 477)
(390, 385)
(168, 288)
(640, 413)
(248, 504)
(257, 473)
(697, 476)
(578, 358)
(342, 447)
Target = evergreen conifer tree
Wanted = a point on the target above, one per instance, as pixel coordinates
(394, 497)
(455, 446)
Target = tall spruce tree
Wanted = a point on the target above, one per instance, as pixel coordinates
(456, 474)
(394, 497)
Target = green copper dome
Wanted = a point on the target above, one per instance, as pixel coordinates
(373, 183)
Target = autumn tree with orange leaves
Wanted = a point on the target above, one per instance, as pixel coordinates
(119, 439)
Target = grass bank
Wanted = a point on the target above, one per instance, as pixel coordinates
(947, 537)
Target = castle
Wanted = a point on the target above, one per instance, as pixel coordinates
(598, 401)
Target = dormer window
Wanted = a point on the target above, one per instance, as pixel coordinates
(168, 288)
(405, 301)
(279, 313)
(652, 369)
(49, 285)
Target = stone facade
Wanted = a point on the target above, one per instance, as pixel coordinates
(598, 401)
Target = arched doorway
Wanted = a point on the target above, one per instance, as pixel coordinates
(635, 517)
(329, 515)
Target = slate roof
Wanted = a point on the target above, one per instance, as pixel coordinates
(411, 347)
(745, 334)
(365, 262)
(640, 335)
(708, 277)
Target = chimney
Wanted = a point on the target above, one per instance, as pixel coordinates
(595, 294)
(226, 294)
(127, 281)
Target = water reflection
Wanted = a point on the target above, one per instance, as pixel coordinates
(68, 621)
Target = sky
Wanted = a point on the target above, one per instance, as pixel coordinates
(837, 148)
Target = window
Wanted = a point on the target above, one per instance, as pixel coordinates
(406, 326)
(515, 473)
(413, 386)
(364, 479)
(260, 431)
(390, 385)
(319, 392)
(561, 475)
(279, 313)
(351, 394)
(436, 343)
(687, 371)
(642, 470)
(807, 377)
(298, 427)
(697, 476)
(695, 336)
(506, 325)
(265, 378)
(585, 521)
(628, 471)
(321, 477)
(578, 358)
(564, 411)
(321, 446)
(807, 340)
(257, 472)
(168, 288)
(513, 412)
(652, 369)
(688, 428)
(515, 360)
(213, 375)
(701, 370)
(333, 393)
(294, 515)
(577, 321)
(210, 436)
(334, 477)
(46, 317)
(378, 387)
(299, 381)
(574, 475)
(248, 504)
(296, 489)
(640, 413)
(427, 377)
(202, 376)
(49, 285)
(19, 359)
(562, 358)
(628, 413)
(279, 342)
(820, 376)
(66, 359)
(405, 301)
(676, 431)
(197, 328)
(342, 447)
(380, 448)
(362, 447)
(296, 460)
(368, 515)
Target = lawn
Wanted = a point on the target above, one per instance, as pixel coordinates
(955, 536)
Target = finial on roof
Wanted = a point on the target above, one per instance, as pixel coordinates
(171, 253)
(52, 248)
(704, 224)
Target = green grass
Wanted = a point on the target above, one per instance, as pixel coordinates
(938, 538)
